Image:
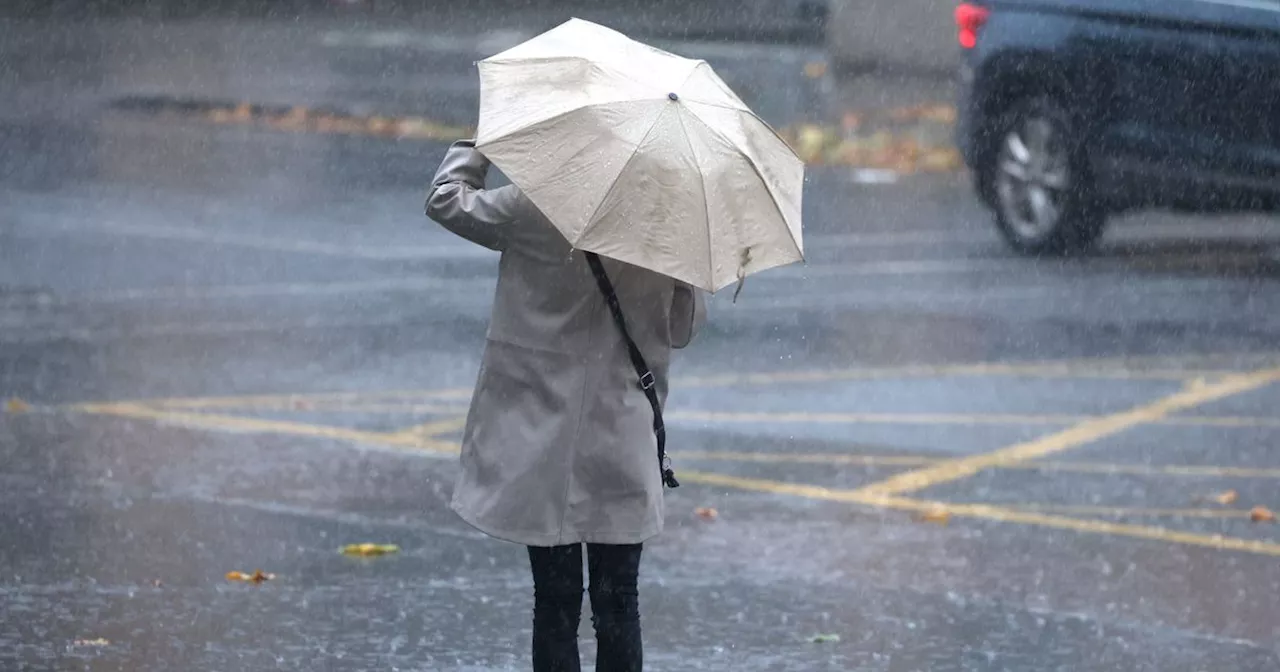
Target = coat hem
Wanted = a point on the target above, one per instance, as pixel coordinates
(562, 538)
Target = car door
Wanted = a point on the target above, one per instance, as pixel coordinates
(1249, 117)
(1162, 63)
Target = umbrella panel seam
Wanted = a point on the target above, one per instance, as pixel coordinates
(618, 178)
(706, 202)
(759, 175)
(557, 117)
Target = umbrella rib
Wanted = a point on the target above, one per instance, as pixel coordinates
(759, 175)
(741, 107)
(755, 116)
(618, 177)
(706, 203)
(621, 73)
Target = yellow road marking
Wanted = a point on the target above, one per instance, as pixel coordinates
(1046, 370)
(954, 419)
(431, 430)
(833, 459)
(414, 437)
(1129, 512)
(985, 512)
(806, 458)
(1106, 368)
(1186, 470)
(1229, 422)
(339, 406)
(231, 423)
(1122, 368)
(880, 418)
(1081, 434)
(776, 487)
(262, 401)
(407, 408)
(1214, 541)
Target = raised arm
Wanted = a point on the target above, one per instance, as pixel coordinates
(459, 202)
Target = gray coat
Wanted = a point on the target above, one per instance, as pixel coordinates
(559, 445)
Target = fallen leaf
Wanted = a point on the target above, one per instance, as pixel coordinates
(16, 405)
(706, 513)
(851, 121)
(380, 125)
(906, 113)
(885, 158)
(369, 550)
(940, 160)
(909, 149)
(810, 142)
(1261, 514)
(825, 639)
(257, 577)
(294, 120)
(849, 153)
(1225, 498)
(91, 642)
(815, 69)
(943, 114)
(938, 516)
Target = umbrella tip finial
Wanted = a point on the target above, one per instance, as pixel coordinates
(673, 96)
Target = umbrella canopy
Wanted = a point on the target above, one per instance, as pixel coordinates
(641, 155)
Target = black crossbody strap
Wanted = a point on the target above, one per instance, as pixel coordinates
(647, 381)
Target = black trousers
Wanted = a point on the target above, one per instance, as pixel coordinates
(615, 607)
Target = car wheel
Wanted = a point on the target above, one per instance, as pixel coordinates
(1039, 180)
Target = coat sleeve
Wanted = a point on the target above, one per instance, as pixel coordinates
(458, 200)
(688, 313)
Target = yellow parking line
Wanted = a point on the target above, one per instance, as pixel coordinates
(880, 418)
(806, 458)
(300, 405)
(1079, 435)
(982, 511)
(1083, 369)
(985, 512)
(286, 401)
(407, 408)
(1186, 470)
(1105, 468)
(1226, 422)
(231, 423)
(1106, 368)
(1230, 422)
(431, 430)
(1121, 368)
(1131, 512)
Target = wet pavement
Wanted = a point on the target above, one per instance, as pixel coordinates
(229, 347)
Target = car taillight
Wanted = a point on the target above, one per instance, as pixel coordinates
(970, 18)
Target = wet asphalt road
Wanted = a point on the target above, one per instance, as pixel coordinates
(238, 348)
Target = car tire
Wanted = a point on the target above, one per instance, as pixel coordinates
(1038, 182)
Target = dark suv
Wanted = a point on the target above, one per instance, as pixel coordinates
(1072, 110)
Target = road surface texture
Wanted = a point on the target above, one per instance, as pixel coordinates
(228, 345)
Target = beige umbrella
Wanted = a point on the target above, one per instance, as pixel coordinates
(641, 155)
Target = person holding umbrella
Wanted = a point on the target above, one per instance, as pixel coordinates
(639, 180)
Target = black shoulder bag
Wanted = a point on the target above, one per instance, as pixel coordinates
(647, 380)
